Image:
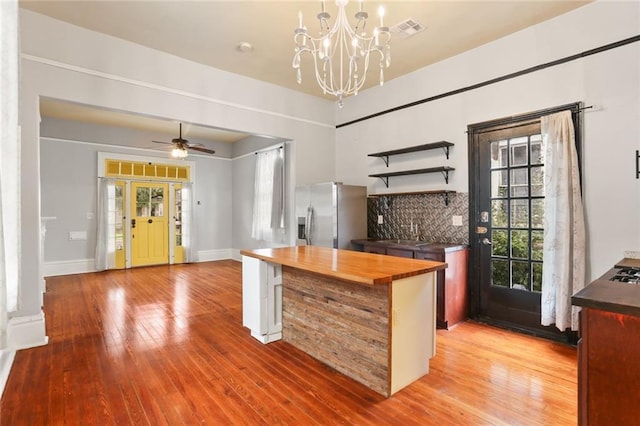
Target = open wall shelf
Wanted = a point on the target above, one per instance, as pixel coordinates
(444, 193)
(442, 169)
(425, 147)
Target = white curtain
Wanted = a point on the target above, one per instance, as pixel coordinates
(564, 234)
(268, 199)
(106, 233)
(9, 164)
(188, 223)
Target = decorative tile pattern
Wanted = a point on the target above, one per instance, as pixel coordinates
(424, 214)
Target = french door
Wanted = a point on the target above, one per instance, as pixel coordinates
(510, 224)
(506, 183)
(149, 224)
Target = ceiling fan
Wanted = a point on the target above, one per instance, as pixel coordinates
(181, 146)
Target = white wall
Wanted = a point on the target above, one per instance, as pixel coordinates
(66, 62)
(609, 80)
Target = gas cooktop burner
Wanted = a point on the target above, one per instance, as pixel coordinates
(627, 275)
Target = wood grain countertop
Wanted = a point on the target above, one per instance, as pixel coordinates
(359, 267)
(612, 296)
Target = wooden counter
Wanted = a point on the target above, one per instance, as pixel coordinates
(369, 316)
(349, 265)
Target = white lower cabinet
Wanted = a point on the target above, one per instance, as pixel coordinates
(262, 299)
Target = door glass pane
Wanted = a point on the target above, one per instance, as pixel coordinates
(178, 218)
(499, 213)
(500, 272)
(142, 201)
(499, 183)
(520, 244)
(537, 276)
(520, 213)
(537, 213)
(519, 182)
(498, 154)
(499, 243)
(119, 219)
(537, 238)
(537, 151)
(520, 275)
(537, 181)
(156, 205)
(519, 152)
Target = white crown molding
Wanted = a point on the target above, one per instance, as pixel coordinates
(144, 84)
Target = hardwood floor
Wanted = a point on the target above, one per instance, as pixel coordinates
(165, 345)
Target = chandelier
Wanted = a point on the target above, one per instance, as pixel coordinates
(341, 53)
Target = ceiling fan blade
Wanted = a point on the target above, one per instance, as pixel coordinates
(166, 143)
(201, 149)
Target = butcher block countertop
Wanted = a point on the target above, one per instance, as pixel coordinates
(612, 296)
(359, 267)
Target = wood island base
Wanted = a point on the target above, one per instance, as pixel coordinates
(380, 334)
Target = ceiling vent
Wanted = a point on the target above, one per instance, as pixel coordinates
(407, 28)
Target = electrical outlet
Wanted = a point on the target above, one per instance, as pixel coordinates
(380, 219)
(632, 254)
(456, 220)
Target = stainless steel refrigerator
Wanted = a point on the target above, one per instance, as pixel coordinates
(331, 214)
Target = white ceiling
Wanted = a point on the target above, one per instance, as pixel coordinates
(209, 32)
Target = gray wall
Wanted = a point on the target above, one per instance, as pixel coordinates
(68, 170)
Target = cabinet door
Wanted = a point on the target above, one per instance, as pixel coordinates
(374, 249)
(400, 252)
(441, 319)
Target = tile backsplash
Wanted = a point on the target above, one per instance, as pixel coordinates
(424, 214)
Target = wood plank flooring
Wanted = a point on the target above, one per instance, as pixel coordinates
(165, 346)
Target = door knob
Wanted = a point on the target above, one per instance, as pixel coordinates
(150, 221)
(486, 242)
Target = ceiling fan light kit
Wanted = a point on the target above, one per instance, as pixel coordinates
(341, 53)
(182, 146)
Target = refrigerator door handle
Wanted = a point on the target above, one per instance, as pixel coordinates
(309, 225)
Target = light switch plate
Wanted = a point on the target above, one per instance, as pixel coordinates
(456, 220)
(380, 219)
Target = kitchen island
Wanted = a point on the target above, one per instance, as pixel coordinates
(369, 316)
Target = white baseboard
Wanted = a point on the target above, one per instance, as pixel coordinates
(211, 255)
(6, 361)
(82, 266)
(69, 267)
(235, 255)
(26, 332)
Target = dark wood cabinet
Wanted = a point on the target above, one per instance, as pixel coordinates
(608, 368)
(452, 299)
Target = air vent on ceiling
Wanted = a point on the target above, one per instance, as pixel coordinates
(407, 28)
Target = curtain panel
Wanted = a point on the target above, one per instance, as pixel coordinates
(9, 164)
(268, 199)
(564, 231)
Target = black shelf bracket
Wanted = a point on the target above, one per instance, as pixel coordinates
(445, 195)
(637, 164)
(446, 151)
(445, 174)
(385, 158)
(385, 179)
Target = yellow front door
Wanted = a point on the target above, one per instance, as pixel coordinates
(149, 225)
